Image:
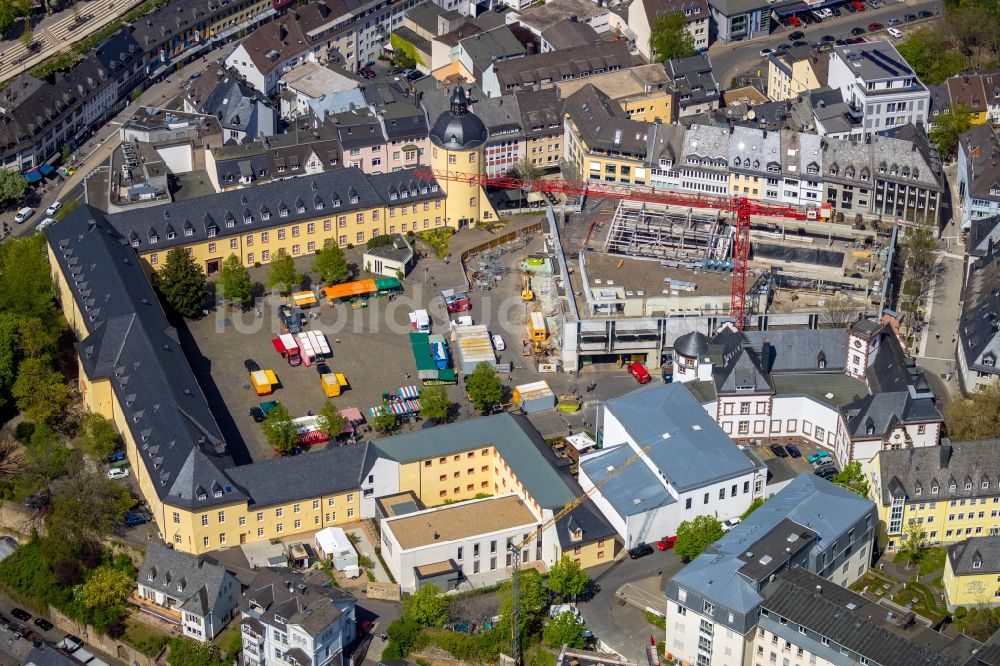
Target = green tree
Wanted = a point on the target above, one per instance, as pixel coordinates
(405, 636)
(86, 505)
(234, 282)
(385, 422)
(670, 39)
(26, 282)
(98, 437)
(981, 622)
(694, 536)
(534, 599)
(526, 169)
(754, 505)
(975, 417)
(434, 404)
(181, 281)
(280, 431)
(46, 459)
(331, 265)
(107, 587)
(281, 273)
(428, 606)
(948, 127)
(8, 359)
(914, 543)
(853, 478)
(564, 629)
(12, 184)
(35, 339)
(930, 54)
(484, 386)
(567, 579)
(39, 391)
(404, 59)
(186, 652)
(331, 421)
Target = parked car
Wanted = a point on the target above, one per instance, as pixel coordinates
(642, 550)
(895, 33)
(730, 524)
(134, 519)
(498, 343)
(257, 414)
(826, 473)
(21, 614)
(53, 209)
(874, 4)
(910, 17)
(118, 473)
(251, 365)
(818, 456)
(23, 214)
(367, 72)
(43, 624)
(778, 450)
(117, 456)
(857, 31)
(801, 42)
(793, 451)
(875, 27)
(70, 643)
(925, 14)
(827, 38)
(894, 21)
(798, 34)
(638, 370)
(782, 47)
(459, 322)
(47, 222)
(764, 52)
(323, 369)
(666, 543)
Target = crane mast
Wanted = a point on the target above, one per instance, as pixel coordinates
(742, 208)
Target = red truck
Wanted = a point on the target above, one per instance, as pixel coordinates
(286, 345)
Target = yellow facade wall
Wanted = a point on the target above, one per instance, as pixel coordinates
(970, 590)
(750, 187)
(594, 553)
(781, 86)
(650, 108)
(595, 165)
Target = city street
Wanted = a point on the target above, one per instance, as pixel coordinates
(728, 60)
(58, 33)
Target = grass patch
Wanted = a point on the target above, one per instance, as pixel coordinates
(145, 639)
(230, 641)
(437, 239)
(929, 561)
(873, 584)
(921, 600)
(655, 619)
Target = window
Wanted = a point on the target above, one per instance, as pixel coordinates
(204, 519)
(709, 608)
(222, 516)
(279, 512)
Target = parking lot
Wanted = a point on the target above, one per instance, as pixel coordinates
(371, 347)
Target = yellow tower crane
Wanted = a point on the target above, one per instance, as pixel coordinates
(515, 549)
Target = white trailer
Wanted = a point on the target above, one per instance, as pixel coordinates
(333, 543)
(420, 321)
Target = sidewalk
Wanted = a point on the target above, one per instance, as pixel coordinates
(365, 547)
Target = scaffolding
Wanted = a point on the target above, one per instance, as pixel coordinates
(642, 229)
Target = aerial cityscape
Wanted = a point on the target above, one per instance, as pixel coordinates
(499, 332)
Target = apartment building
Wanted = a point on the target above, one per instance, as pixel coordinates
(644, 92)
(548, 69)
(694, 83)
(795, 71)
(714, 603)
(739, 20)
(42, 118)
(294, 618)
(243, 113)
(972, 572)
(876, 81)
(642, 14)
(686, 465)
(951, 490)
(969, 91)
(313, 90)
(978, 335)
(978, 174)
(804, 619)
(198, 596)
(542, 123)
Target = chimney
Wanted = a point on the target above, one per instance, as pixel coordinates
(819, 589)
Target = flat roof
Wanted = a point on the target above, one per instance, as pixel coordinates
(648, 276)
(400, 504)
(315, 80)
(454, 522)
(435, 568)
(622, 83)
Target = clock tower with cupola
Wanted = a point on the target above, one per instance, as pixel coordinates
(863, 338)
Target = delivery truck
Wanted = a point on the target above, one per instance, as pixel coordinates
(286, 345)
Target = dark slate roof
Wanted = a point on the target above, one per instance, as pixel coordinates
(691, 345)
(306, 600)
(745, 372)
(983, 235)
(845, 619)
(511, 435)
(557, 65)
(231, 99)
(982, 151)
(588, 519)
(359, 128)
(568, 33)
(979, 329)
(893, 370)
(877, 414)
(223, 214)
(795, 350)
(975, 556)
(694, 10)
(130, 343)
(603, 125)
(326, 472)
(541, 112)
(458, 128)
(693, 77)
(194, 581)
(491, 45)
(904, 472)
(46, 655)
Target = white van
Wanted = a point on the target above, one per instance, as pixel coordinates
(24, 214)
(894, 32)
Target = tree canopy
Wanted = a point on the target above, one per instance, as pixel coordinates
(975, 417)
(928, 51)
(434, 404)
(567, 579)
(669, 38)
(484, 386)
(13, 185)
(281, 273)
(853, 478)
(384, 422)
(280, 431)
(694, 536)
(107, 587)
(948, 127)
(331, 265)
(427, 606)
(98, 437)
(331, 421)
(181, 282)
(564, 629)
(234, 283)
(40, 391)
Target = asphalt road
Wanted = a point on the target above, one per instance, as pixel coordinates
(728, 60)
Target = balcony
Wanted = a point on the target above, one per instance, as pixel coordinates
(171, 615)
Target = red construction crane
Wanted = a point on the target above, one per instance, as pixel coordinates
(743, 208)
